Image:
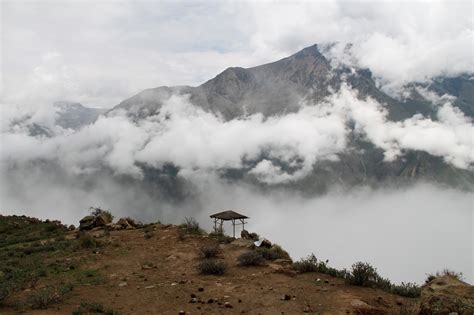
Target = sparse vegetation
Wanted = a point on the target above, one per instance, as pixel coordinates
(273, 253)
(209, 251)
(93, 308)
(89, 242)
(409, 289)
(97, 211)
(45, 297)
(446, 272)
(251, 258)
(361, 274)
(222, 238)
(211, 267)
(191, 226)
(308, 264)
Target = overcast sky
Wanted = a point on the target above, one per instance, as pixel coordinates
(100, 52)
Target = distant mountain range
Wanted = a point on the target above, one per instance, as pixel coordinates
(279, 88)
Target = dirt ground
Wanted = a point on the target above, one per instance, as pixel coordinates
(157, 275)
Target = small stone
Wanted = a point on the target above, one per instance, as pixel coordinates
(174, 283)
(193, 300)
(285, 297)
(210, 301)
(318, 280)
(182, 313)
(122, 284)
(193, 295)
(226, 296)
(200, 289)
(228, 305)
(240, 301)
(326, 281)
(149, 287)
(307, 309)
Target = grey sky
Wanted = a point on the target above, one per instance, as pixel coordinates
(100, 52)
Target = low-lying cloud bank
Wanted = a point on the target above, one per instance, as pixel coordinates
(405, 233)
(193, 139)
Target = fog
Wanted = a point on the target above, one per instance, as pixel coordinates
(404, 232)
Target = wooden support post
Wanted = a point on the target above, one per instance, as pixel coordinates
(233, 228)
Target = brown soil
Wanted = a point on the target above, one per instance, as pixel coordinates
(158, 275)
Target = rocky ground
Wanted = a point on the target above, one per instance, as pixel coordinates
(152, 269)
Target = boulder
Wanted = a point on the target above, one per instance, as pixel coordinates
(102, 220)
(124, 223)
(265, 243)
(245, 235)
(87, 223)
(447, 295)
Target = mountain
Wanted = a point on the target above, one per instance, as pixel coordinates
(278, 88)
(75, 115)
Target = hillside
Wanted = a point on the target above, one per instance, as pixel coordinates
(47, 268)
(310, 76)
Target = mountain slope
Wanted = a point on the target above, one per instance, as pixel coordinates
(279, 87)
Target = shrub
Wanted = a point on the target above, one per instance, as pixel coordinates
(363, 274)
(308, 264)
(96, 211)
(47, 296)
(191, 226)
(409, 289)
(251, 258)
(211, 267)
(222, 238)
(273, 253)
(93, 308)
(209, 251)
(446, 272)
(89, 242)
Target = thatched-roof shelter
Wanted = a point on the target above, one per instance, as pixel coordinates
(228, 216)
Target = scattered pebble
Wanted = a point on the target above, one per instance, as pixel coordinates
(228, 305)
(122, 284)
(285, 297)
(201, 289)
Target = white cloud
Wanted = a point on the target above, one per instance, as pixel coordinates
(99, 53)
(195, 140)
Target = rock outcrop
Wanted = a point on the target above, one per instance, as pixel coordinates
(447, 295)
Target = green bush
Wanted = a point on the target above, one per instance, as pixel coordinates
(97, 211)
(93, 308)
(308, 264)
(446, 272)
(251, 258)
(409, 289)
(221, 238)
(209, 251)
(89, 242)
(273, 253)
(43, 298)
(363, 274)
(191, 226)
(211, 267)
